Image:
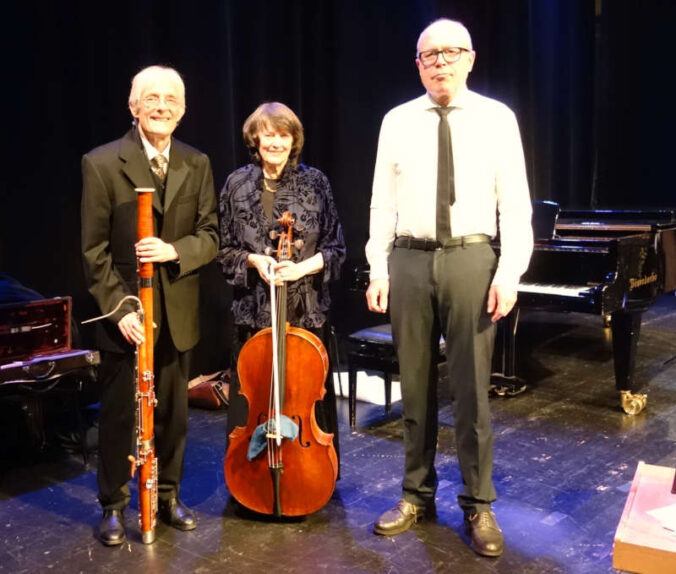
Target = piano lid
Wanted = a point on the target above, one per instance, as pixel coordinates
(616, 220)
(545, 215)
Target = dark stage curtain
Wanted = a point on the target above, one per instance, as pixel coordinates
(635, 112)
(587, 79)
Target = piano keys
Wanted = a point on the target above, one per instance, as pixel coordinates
(556, 290)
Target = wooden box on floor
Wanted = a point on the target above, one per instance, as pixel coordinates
(642, 543)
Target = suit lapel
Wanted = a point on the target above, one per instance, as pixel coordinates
(178, 171)
(135, 165)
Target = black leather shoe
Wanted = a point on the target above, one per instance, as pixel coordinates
(484, 533)
(110, 530)
(401, 518)
(177, 514)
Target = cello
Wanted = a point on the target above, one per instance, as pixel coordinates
(282, 370)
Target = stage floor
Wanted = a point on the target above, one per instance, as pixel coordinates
(565, 456)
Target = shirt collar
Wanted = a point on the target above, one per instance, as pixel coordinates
(151, 152)
(461, 100)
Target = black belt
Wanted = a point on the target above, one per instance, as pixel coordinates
(409, 242)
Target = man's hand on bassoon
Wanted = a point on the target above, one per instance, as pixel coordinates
(131, 328)
(154, 250)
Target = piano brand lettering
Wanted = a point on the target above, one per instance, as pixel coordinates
(635, 283)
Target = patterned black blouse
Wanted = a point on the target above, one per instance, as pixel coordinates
(306, 193)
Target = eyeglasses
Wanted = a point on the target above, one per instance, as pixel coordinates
(450, 55)
(153, 101)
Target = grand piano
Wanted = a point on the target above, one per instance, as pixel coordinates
(611, 263)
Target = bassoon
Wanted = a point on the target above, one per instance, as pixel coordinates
(145, 460)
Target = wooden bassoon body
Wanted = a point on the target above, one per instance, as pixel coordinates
(145, 460)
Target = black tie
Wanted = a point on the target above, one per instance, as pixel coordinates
(445, 179)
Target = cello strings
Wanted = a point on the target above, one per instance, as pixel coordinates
(274, 428)
(273, 332)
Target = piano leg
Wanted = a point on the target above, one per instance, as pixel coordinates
(352, 394)
(626, 328)
(504, 381)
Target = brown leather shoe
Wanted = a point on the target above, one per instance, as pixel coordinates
(401, 518)
(177, 514)
(485, 533)
(110, 531)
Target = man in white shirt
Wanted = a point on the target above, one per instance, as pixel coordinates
(433, 266)
(186, 228)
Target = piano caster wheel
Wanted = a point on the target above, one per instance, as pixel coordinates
(633, 404)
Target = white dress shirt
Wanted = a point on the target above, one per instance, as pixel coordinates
(151, 151)
(490, 178)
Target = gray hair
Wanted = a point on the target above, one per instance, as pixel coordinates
(150, 74)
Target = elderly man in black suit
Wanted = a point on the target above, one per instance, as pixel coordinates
(186, 237)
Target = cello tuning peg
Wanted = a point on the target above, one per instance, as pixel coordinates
(298, 244)
(269, 251)
(274, 234)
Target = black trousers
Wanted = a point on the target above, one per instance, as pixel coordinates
(117, 421)
(434, 292)
(325, 410)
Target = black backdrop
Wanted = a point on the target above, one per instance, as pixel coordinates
(588, 79)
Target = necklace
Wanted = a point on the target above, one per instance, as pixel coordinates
(269, 187)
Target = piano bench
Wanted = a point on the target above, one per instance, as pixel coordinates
(373, 349)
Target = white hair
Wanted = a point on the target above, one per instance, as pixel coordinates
(149, 75)
(464, 40)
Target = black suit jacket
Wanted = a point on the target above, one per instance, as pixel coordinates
(187, 219)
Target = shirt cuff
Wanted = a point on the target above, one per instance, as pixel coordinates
(506, 279)
(379, 271)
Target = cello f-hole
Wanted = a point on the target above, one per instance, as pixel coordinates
(299, 421)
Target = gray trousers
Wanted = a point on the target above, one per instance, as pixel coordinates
(435, 292)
